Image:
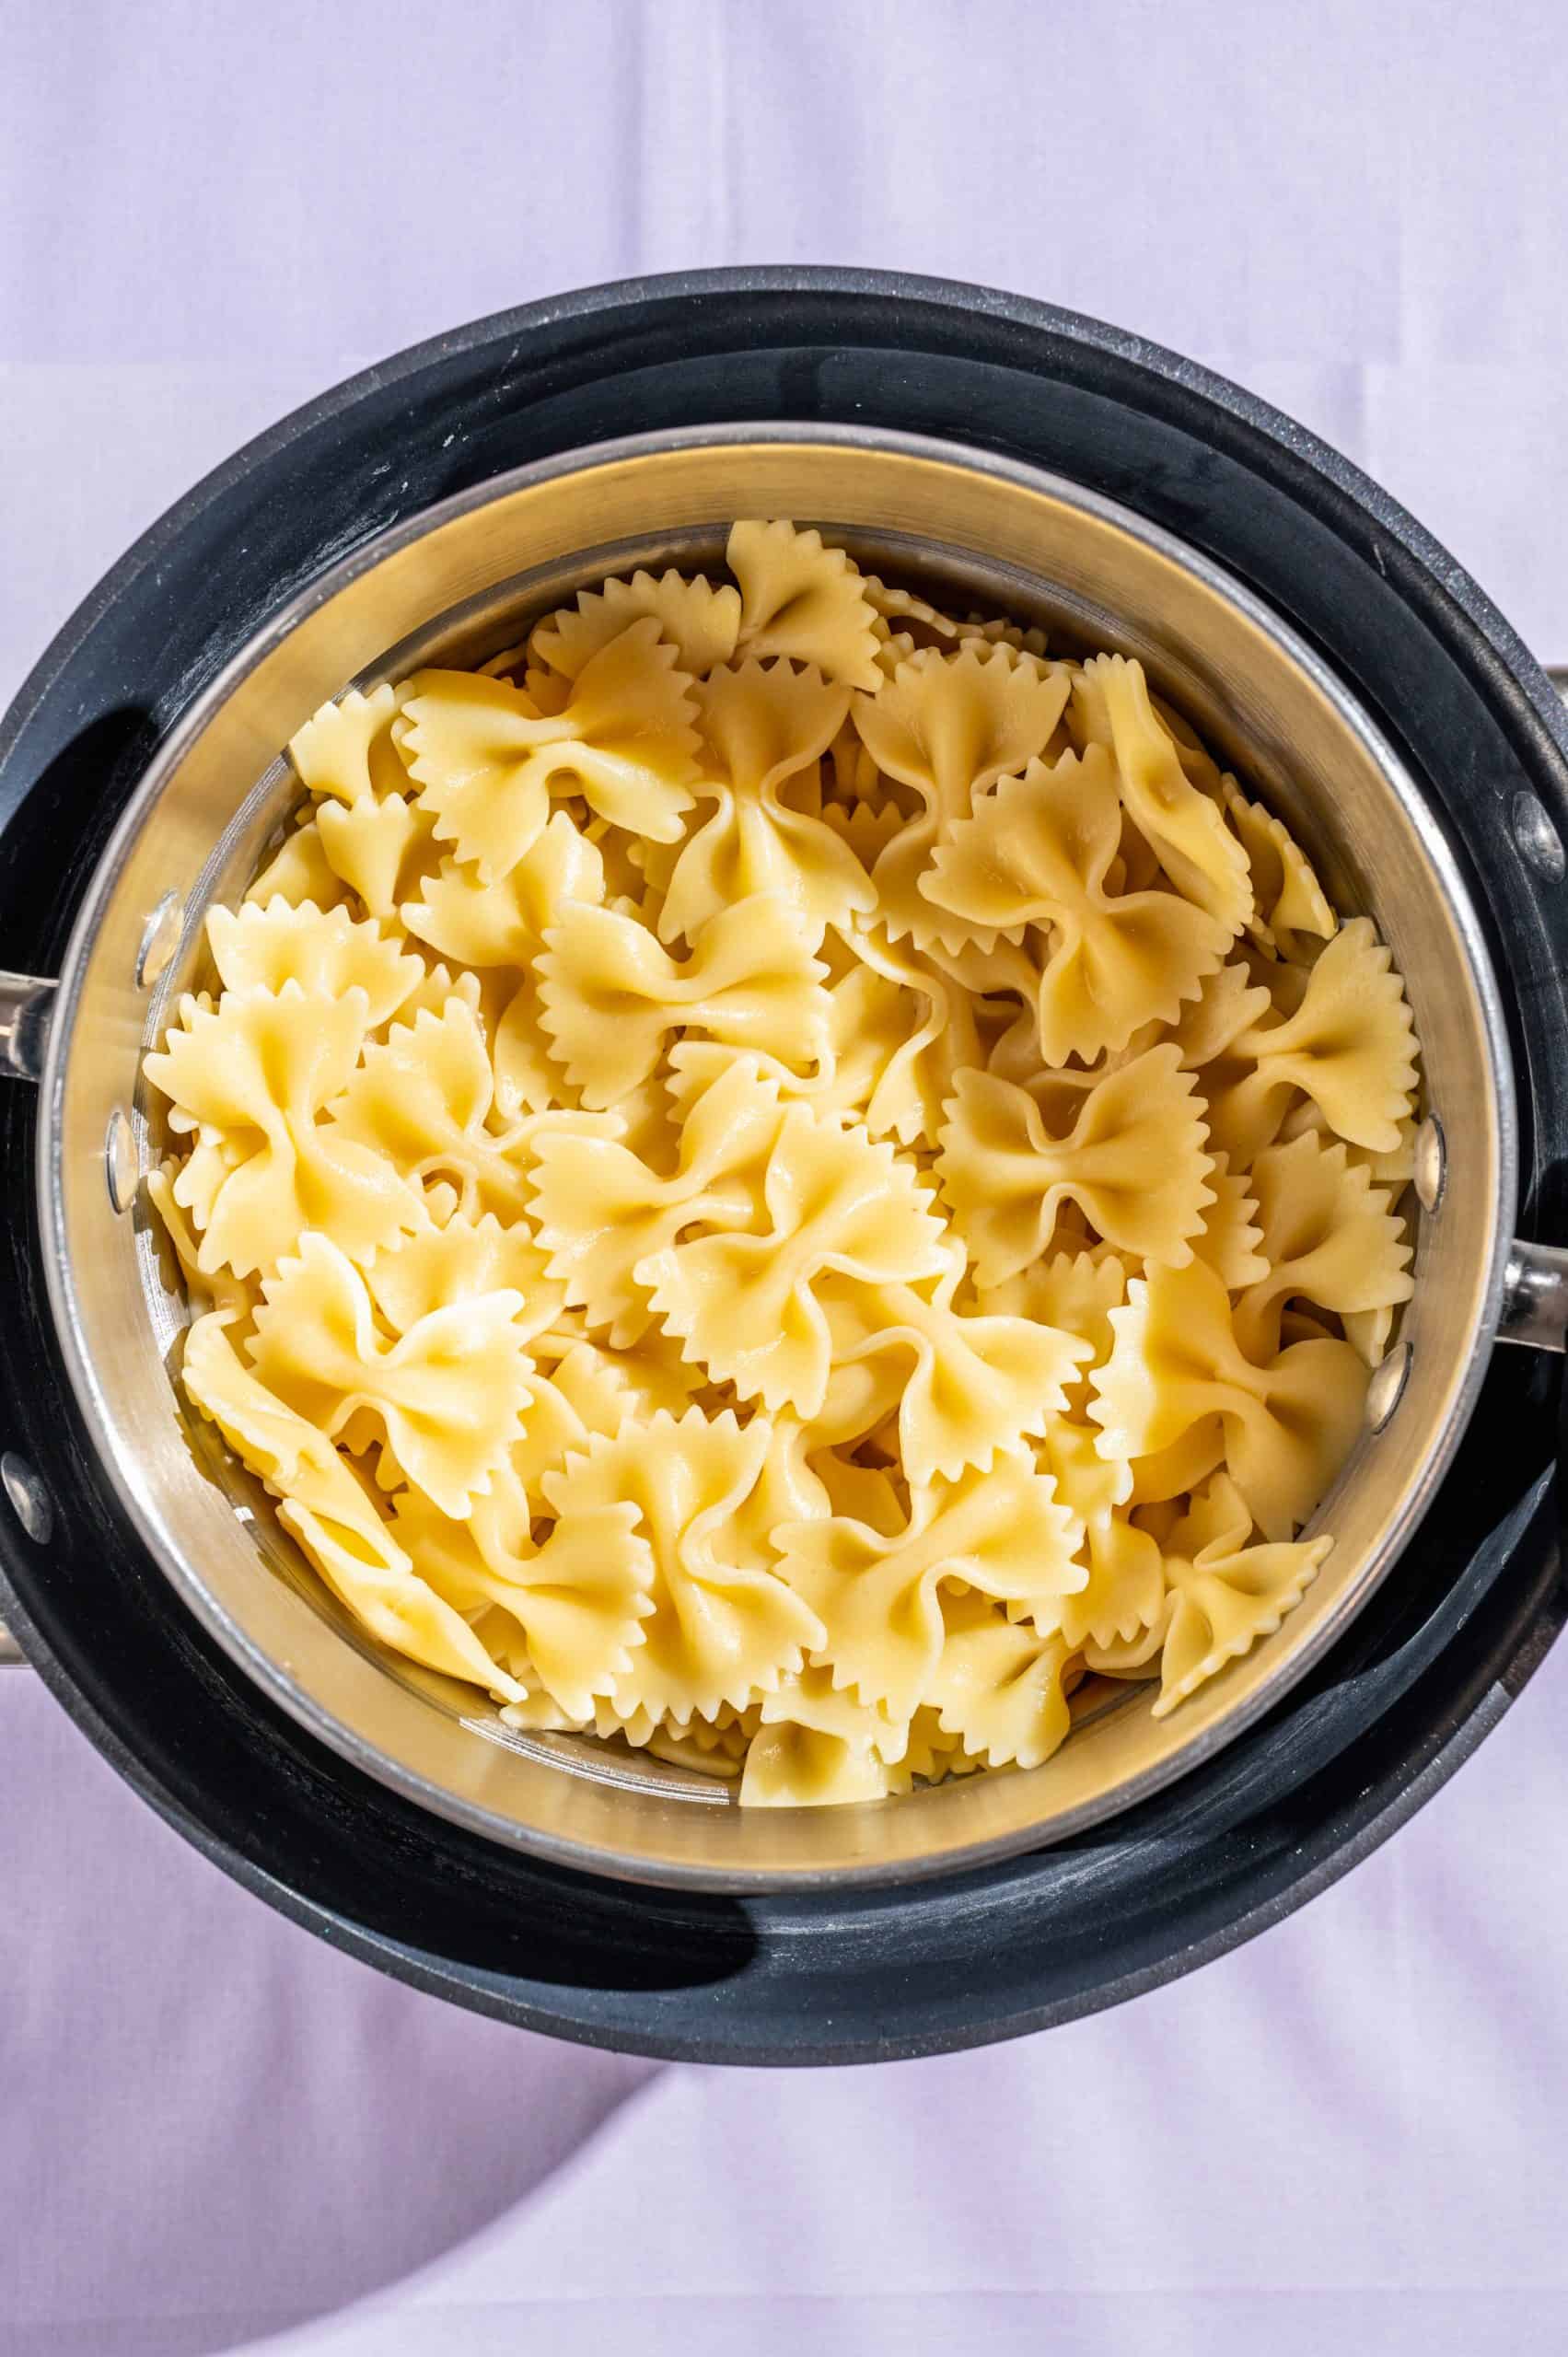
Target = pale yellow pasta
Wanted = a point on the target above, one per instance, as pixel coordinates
(610, 994)
(722, 1628)
(579, 1599)
(1230, 1240)
(1289, 907)
(265, 945)
(701, 622)
(420, 1103)
(1327, 1237)
(602, 1213)
(1003, 1533)
(997, 1685)
(765, 725)
(967, 1384)
(300, 870)
(803, 600)
(1349, 1046)
(1037, 850)
(255, 1072)
(325, 1507)
(950, 726)
(1224, 1593)
(1289, 1423)
(776, 1176)
(1185, 831)
(486, 760)
(1134, 1161)
(503, 922)
(833, 1203)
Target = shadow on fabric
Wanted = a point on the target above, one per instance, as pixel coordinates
(212, 2126)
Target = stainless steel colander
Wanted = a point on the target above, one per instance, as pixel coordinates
(453, 585)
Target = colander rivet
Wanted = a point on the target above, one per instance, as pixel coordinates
(28, 1496)
(119, 1161)
(159, 940)
(1387, 1387)
(1537, 837)
(1430, 1163)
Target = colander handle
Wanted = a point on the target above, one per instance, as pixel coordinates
(25, 1001)
(1535, 1296)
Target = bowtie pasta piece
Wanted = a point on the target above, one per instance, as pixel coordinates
(1037, 850)
(579, 1598)
(794, 1766)
(256, 1070)
(898, 1032)
(1073, 1288)
(1133, 1159)
(601, 1211)
(422, 1098)
(1125, 1587)
(998, 1685)
(1230, 1236)
(610, 995)
(764, 724)
(346, 751)
(1290, 909)
(1289, 1425)
(348, 756)
(879, 1594)
(1329, 1237)
(300, 870)
(801, 599)
(379, 847)
(817, 1745)
(1349, 1046)
(448, 1394)
(325, 1507)
(722, 1628)
(1224, 1592)
(436, 1266)
(979, 1384)
(699, 619)
(1186, 831)
(745, 1305)
(486, 760)
(504, 924)
(214, 1289)
(262, 948)
(950, 726)
(1228, 1003)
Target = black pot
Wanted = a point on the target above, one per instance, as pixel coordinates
(1447, 1640)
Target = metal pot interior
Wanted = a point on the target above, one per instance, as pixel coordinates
(454, 586)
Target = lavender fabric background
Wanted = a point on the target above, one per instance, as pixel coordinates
(213, 2133)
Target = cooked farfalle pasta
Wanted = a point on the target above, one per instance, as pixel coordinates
(1039, 850)
(777, 1177)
